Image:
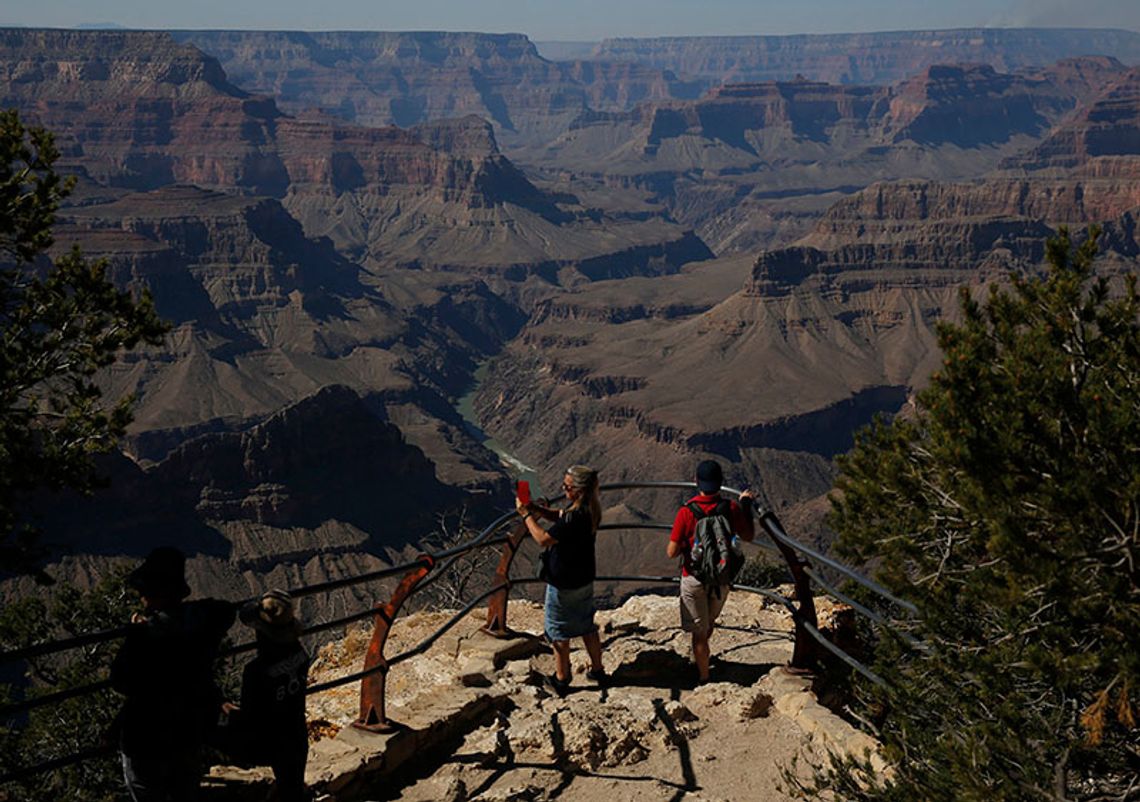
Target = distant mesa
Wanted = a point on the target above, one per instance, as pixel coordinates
(1102, 139)
(867, 58)
(531, 95)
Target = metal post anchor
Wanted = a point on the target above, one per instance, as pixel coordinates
(373, 717)
(496, 625)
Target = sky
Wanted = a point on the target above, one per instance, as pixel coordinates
(577, 20)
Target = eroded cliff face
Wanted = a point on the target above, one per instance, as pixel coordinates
(820, 335)
(409, 78)
(736, 114)
(752, 166)
(972, 105)
(265, 317)
(315, 252)
(142, 112)
(220, 204)
(893, 212)
(870, 58)
(324, 487)
(1101, 141)
(145, 112)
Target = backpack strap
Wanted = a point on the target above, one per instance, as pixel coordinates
(723, 507)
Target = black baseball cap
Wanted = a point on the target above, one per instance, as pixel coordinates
(709, 476)
(161, 574)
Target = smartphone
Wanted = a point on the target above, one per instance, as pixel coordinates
(522, 490)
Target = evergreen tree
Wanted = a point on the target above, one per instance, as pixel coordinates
(74, 725)
(1007, 509)
(59, 325)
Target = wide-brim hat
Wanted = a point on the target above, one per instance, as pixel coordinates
(709, 476)
(162, 573)
(272, 616)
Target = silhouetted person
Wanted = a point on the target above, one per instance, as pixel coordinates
(273, 694)
(700, 603)
(165, 668)
(569, 571)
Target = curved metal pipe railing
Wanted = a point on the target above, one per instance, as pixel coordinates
(87, 639)
(865, 611)
(871, 585)
(429, 568)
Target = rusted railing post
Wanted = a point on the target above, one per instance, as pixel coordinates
(372, 711)
(497, 604)
(804, 653)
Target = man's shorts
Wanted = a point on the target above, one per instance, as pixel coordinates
(700, 606)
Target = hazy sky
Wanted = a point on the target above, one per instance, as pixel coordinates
(570, 20)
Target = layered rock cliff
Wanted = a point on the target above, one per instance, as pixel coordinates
(871, 58)
(824, 333)
(971, 105)
(1101, 141)
(752, 165)
(409, 78)
(312, 251)
(141, 111)
(324, 487)
(295, 253)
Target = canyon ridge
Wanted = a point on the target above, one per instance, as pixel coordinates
(651, 253)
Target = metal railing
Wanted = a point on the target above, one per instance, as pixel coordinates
(421, 572)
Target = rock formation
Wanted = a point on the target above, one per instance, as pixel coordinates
(477, 724)
(1101, 141)
(294, 253)
(409, 78)
(825, 332)
(295, 250)
(137, 110)
(753, 165)
(865, 58)
(325, 487)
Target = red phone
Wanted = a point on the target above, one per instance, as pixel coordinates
(522, 490)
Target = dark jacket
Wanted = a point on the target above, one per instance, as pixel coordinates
(273, 691)
(165, 668)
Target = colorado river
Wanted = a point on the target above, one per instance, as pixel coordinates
(465, 406)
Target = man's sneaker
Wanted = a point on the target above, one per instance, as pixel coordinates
(560, 687)
(598, 675)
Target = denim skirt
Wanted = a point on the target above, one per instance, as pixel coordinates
(569, 612)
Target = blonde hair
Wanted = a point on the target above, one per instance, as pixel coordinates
(586, 479)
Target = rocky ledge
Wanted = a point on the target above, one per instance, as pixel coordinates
(477, 723)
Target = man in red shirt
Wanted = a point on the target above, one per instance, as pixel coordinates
(701, 604)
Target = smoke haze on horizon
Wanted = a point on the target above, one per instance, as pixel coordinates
(584, 20)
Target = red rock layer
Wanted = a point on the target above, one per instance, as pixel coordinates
(1102, 140)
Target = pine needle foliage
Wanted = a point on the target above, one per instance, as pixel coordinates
(1008, 510)
(60, 324)
(80, 724)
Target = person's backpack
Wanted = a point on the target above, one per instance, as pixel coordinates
(716, 555)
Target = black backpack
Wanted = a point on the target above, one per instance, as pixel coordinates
(716, 556)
